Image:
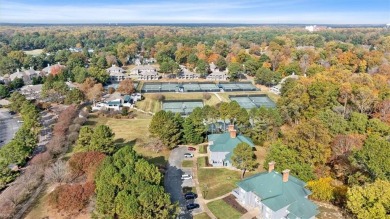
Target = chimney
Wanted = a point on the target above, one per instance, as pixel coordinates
(233, 133)
(286, 173)
(271, 166)
(230, 128)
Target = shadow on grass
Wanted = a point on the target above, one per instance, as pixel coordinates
(90, 123)
(120, 142)
(158, 161)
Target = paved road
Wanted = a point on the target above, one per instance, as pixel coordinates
(8, 126)
(173, 182)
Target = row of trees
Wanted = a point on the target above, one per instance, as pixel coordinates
(16, 152)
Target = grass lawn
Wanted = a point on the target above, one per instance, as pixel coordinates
(35, 52)
(202, 161)
(201, 216)
(187, 163)
(222, 210)
(218, 181)
(132, 132)
(202, 149)
(261, 153)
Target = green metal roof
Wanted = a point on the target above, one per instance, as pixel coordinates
(276, 194)
(224, 143)
(302, 209)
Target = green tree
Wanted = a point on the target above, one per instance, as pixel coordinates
(374, 157)
(80, 74)
(4, 91)
(267, 77)
(74, 96)
(202, 67)
(370, 201)
(85, 136)
(335, 122)
(99, 74)
(102, 140)
(166, 128)
(234, 70)
(221, 63)
(288, 158)
(358, 122)
(194, 129)
(251, 66)
(244, 158)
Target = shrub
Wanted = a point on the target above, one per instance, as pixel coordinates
(322, 189)
(206, 96)
(74, 128)
(41, 159)
(158, 97)
(80, 120)
(111, 90)
(125, 111)
(71, 198)
(85, 163)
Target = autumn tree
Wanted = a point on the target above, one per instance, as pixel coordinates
(126, 87)
(370, 201)
(167, 127)
(311, 139)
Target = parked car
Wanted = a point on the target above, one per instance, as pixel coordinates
(190, 195)
(186, 176)
(191, 149)
(192, 206)
(188, 155)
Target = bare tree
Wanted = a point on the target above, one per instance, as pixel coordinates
(57, 173)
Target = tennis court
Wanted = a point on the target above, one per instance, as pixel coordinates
(116, 85)
(156, 87)
(253, 101)
(200, 87)
(237, 86)
(184, 107)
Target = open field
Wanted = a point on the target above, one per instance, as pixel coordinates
(222, 210)
(215, 182)
(132, 132)
(34, 52)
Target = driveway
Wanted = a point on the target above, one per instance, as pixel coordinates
(8, 126)
(173, 182)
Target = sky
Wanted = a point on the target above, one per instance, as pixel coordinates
(200, 11)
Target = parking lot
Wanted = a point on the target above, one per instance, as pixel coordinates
(9, 125)
(174, 184)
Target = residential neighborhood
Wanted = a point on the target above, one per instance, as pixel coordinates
(194, 110)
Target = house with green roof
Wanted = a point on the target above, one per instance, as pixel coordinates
(221, 146)
(277, 195)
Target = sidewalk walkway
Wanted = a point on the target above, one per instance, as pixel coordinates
(217, 198)
(219, 98)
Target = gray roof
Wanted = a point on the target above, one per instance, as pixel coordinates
(144, 67)
(114, 69)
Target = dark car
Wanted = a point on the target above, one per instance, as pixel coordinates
(192, 206)
(12, 113)
(191, 149)
(190, 195)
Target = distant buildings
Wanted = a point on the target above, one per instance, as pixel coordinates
(145, 72)
(314, 28)
(117, 74)
(26, 75)
(53, 69)
(216, 74)
(187, 74)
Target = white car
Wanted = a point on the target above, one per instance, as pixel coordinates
(188, 155)
(186, 176)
